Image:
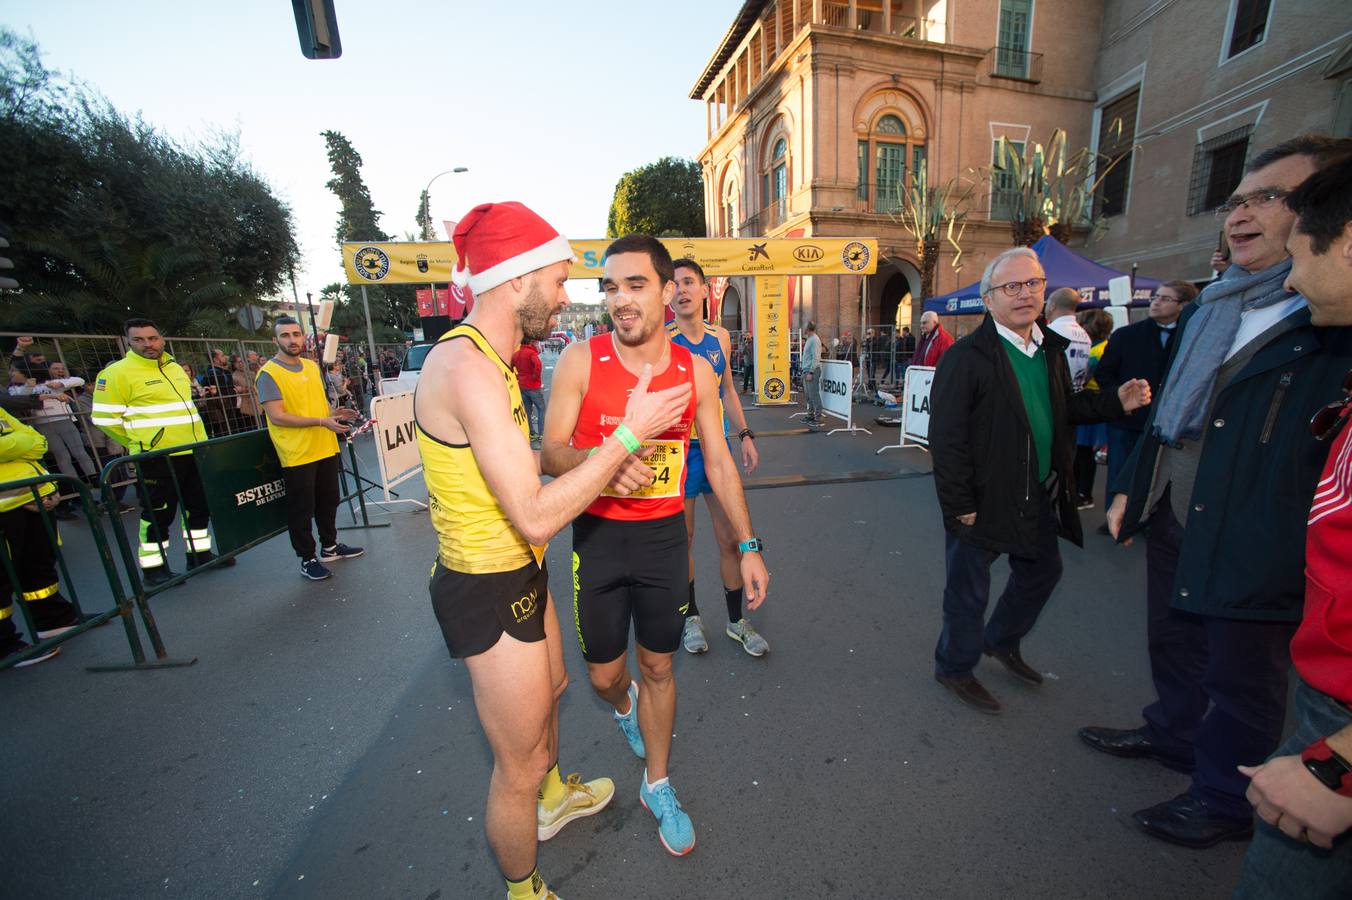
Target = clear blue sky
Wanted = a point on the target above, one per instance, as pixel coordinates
(546, 103)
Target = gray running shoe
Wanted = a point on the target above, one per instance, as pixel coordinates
(692, 638)
(750, 639)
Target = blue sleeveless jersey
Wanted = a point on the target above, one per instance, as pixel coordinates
(709, 348)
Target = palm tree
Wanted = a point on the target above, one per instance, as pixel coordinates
(1049, 191)
(93, 287)
(931, 214)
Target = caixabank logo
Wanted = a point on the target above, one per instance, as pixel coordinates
(774, 388)
(855, 256)
(372, 263)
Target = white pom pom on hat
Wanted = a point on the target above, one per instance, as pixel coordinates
(496, 242)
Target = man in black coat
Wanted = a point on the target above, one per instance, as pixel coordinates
(1002, 442)
(1224, 474)
(1139, 351)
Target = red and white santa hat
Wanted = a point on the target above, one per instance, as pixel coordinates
(496, 242)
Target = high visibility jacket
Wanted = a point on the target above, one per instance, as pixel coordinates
(146, 404)
(21, 448)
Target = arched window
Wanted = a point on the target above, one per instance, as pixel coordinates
(775, 184)
(884, 158)
(728, 209)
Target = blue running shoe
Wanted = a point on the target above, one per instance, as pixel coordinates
(674, 829)
(629, 724)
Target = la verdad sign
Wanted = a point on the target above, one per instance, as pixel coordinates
(837, 382)
(396, 443)
(916, 412)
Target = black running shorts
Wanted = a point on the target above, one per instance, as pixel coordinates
(629, 571)
(475, 610)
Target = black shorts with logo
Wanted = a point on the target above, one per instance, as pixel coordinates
(475, 610)
(627, 571)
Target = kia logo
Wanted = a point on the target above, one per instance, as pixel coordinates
(808, 253)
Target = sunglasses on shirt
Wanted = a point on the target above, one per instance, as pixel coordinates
(1326, 422)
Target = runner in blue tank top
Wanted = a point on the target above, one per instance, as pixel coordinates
(712, 342)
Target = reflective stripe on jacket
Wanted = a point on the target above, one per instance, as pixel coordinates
(21, 448)
(146, 404)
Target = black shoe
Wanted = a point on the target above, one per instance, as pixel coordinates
(1132, 742)
(1189, 822)
(971, 692)
(157, 576)
(197, 560)
(1016, 666)
(18, 646)
(1103, 530)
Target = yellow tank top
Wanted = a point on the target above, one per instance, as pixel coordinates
(474, 535)
(302, 395)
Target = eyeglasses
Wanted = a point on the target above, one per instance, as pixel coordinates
(1256, 199)
(1013, 288)
(1324, 423)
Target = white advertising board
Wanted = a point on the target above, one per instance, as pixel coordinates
(916, 413)
(838, 393)
(396, 444)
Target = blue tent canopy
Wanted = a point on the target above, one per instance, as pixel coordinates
(1064, 268)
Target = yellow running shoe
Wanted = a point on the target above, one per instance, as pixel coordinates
(582, 799)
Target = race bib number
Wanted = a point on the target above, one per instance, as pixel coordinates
(668, 464)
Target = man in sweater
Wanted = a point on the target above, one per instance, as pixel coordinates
(1303, 793)
(812, 374)
(1002, 445)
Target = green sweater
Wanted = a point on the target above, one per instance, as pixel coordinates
(1031, 372)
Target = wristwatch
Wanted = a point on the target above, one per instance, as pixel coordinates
(755, 545)
(1334, 772)
(746, 433)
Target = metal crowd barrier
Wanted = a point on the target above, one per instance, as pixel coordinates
(122, 602)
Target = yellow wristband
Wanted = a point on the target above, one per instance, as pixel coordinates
(631, 443)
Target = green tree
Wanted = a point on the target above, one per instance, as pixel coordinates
(83, 183)
(665, 198)
(359, 220)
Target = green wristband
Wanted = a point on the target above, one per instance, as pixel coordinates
(631, 443)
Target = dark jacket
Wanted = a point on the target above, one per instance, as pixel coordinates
(982, 445)
(1244, 545)
(1134, 352)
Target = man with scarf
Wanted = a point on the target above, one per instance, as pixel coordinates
(1223, 476)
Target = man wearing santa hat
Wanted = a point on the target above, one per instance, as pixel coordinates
(629, 547)
(493, 517)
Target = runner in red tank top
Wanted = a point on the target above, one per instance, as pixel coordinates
(629, 548)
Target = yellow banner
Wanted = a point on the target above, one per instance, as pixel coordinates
(772, 341)
(421, 263)
(399, 262)
(753, 256)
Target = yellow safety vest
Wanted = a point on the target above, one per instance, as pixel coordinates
(302, 395)
(146, 404)
(21, 448)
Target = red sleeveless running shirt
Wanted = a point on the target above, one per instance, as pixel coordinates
(608, 389)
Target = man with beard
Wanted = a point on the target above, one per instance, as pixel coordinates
(489, 584)
(629, 548)
(713, 343)
(304, 428)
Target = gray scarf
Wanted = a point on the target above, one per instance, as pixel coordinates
(1205, 342)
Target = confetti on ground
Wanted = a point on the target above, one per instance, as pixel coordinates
(1052, 675)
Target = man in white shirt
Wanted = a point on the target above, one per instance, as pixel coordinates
(1061, 305)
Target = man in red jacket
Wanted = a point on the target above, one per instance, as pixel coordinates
(934, 341)
(1303, 793)
(526, 361)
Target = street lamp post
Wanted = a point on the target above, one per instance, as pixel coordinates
(428, 234)
(427, 201)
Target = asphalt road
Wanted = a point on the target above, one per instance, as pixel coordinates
(326, 746)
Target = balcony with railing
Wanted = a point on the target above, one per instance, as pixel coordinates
(1016, 64)
(879, 197)
(874, 18)
(770, 217)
